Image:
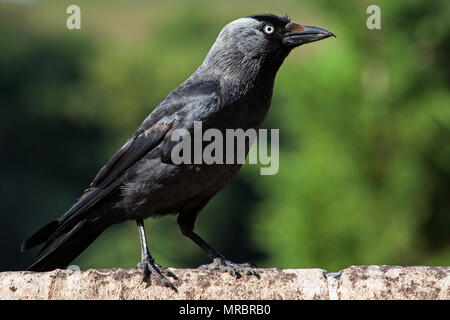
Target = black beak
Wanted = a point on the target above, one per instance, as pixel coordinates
(297, 35)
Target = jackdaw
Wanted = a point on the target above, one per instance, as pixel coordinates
(231, 89)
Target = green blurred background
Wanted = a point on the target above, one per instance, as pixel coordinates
(364, 125)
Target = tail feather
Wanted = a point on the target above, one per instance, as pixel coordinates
(40, 236)
(75, 242)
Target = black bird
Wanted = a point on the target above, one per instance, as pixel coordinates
(231, 89)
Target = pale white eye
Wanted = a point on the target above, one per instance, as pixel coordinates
(268, 29)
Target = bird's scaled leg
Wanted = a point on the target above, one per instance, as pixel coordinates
(148, 264)
(186, 223)
(220, 262)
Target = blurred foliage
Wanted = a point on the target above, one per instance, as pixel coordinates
(364, 125)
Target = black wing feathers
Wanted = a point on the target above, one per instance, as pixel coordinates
(108, 178)
(192, 100)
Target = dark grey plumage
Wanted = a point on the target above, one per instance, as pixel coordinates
(231, 89)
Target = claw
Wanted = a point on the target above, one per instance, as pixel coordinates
(235, 269)
(149, 266)
(166, 271)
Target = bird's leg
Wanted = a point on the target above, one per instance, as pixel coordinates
(148, 264)
(220, 262)
(186, 224)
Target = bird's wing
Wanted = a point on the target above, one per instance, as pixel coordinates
(179, 109)
(193, 100)
(109, 177)
(132, 151)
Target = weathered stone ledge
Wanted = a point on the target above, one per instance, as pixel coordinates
(356, 282)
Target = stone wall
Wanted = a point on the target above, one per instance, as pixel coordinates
(356, 282)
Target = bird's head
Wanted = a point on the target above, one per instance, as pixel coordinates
(260, 37)
(269, 32)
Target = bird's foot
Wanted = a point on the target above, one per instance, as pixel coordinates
(149, 266)
(235, 269)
